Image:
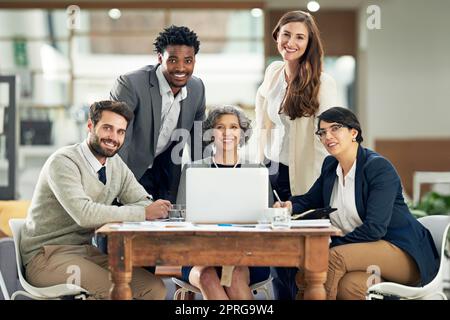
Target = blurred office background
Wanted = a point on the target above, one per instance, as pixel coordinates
(391, 63)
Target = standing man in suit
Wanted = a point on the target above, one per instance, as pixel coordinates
(164, 97)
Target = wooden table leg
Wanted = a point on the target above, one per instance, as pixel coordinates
(315, 267)
(120, 266)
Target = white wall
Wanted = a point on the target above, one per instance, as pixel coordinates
(404, 76)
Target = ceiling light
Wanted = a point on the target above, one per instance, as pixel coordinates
(313, 6)
(256, 12)
(114, 13)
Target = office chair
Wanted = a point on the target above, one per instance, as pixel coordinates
(186, 288)
(3, 288)
(56, 292)
(439, 227)
(9, 281)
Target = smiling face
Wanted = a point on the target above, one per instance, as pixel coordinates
(106, 138)
(292, 40)
(177, 64)
(227, 132)
(336, 138)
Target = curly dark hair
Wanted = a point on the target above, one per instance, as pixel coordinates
(174, 35)
(216, 113)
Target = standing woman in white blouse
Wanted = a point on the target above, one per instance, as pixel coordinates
(294, 91)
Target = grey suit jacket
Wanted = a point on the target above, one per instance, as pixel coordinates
(140, 90)
(206, 163)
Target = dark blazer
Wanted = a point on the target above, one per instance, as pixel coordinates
(140, 90)
(381, 207)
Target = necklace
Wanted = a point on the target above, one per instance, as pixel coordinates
(214, 161)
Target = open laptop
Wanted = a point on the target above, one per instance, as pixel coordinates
(226, 195)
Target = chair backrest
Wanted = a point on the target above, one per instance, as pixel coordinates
(438, 225)
(16, 226)
(51, 292)
(8, 268)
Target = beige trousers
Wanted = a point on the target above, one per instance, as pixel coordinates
(87, 267)
(354, 267)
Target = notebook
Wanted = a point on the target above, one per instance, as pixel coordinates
(313, 223)
(321, 213)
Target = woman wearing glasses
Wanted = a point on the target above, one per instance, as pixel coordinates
(380, 236)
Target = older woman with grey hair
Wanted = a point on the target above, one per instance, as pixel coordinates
(227, 110)
(225, 130)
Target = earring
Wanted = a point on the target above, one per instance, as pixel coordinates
(354, 139)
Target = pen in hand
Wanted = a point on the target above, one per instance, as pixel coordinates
(278, 198)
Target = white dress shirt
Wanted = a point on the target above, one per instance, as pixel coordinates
(346, 217)
(91, 160)
(170, 111)
(277, 148)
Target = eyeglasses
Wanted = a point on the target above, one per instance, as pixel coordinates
(322, 133)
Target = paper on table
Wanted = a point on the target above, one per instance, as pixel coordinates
(226, 227)
(132, 225)
(312, 223)
(180, 225)
(173, 224)
(150, 225)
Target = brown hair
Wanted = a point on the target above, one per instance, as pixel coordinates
(301, 98)
(121, 108)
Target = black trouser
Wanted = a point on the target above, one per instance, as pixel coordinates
(279, 179)
(159, 180)
(284, 285)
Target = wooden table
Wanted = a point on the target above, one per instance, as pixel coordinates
(306, 248)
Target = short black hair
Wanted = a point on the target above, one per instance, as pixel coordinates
(121, 108)
(343, 116)
(174, 35)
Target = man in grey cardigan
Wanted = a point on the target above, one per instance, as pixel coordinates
(73, 197)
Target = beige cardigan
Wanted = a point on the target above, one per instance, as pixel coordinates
(306, 153)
